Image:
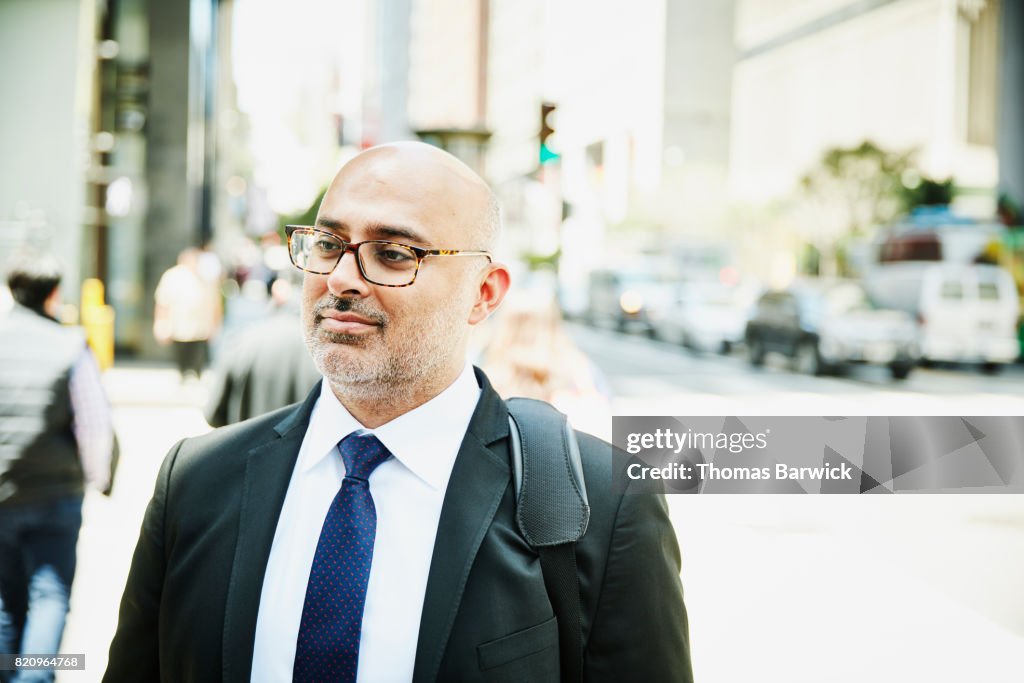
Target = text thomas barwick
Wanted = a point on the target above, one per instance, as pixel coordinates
(709, 470)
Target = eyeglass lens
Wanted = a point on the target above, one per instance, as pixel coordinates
(383, 263)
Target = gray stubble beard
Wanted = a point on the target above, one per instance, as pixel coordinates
(393, 375)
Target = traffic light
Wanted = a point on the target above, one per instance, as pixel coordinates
(547, 153)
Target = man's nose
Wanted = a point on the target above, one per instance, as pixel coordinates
(346, 279)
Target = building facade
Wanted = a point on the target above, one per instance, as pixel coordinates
(905, 74)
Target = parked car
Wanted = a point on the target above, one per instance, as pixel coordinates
(966, 312)
(705, 316)
(824, 325)
(625, 299)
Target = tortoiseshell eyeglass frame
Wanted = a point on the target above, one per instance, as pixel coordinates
(346, 247)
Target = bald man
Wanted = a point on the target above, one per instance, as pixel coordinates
(369, 532)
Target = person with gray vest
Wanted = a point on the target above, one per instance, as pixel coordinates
(55, 437)
(267, 368)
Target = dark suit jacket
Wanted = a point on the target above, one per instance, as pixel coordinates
(189, 608)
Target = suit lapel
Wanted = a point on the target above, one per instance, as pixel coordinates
(267, 473)
(477, 484)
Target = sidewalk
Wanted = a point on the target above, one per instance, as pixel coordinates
(844, 589)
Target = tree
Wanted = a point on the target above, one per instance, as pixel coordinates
(307, 217)
(929, 192)
(851, 190)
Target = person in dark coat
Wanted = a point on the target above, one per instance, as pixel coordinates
(264, 365)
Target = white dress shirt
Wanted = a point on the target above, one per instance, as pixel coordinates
(408, 491)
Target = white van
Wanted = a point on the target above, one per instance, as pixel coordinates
(966, 313)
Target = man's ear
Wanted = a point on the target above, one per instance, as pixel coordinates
(51, 306)
(493, 285)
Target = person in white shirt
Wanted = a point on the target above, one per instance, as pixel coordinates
(369, 533)
(187, 311)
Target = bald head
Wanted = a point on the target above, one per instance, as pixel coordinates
(417, 173)
(388, 348)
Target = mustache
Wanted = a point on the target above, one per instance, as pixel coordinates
(346, 305)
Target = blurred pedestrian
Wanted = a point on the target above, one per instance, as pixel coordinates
(530, 354)
(244, 306)
(55, 436)
(187, 313)
(267, 367)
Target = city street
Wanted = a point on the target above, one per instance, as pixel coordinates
(841, 180)
(779, 588)
(656, 378)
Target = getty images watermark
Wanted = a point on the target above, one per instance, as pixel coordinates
(819, 454)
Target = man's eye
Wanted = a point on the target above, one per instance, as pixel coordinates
(326, 245)
(394, 255)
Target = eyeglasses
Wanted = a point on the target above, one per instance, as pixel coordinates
(388, 264)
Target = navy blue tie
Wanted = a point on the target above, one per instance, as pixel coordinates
(332, 616)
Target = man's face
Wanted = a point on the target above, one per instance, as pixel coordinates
(369, 340)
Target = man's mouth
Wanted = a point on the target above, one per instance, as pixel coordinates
(337, 322)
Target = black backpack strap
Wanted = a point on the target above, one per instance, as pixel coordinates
(552, 512)
(558, 563)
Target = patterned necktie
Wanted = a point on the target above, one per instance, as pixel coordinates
(332, 616)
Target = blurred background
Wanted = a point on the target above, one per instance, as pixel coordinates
(712, 206)
(661, 165)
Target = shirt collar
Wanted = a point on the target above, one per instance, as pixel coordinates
(425, 440)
